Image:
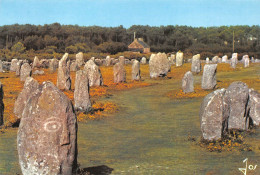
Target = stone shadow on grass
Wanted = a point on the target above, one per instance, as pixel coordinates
(96, 170)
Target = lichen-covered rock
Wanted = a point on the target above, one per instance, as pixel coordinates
(1, 105)
(159, 65)
(30, 86)
(188, 82)
(18, 67)
(213, 122)
(13, 65)
(26, 71)
(63, 80)
(195, 64)
(209, 80)
(80, 59)
(119, 73)
(179, 59)
(93, 73)
(54, 64)
(81, 92)
(36, 63)
(136, 74)
(254, 106)
(143, 60)
(47, 135)
(74, 67)
(236, 96)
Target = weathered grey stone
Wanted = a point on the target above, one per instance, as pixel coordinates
(172, 59)
(233, 62)
(18, 67)
(92, 58)
(235, 55)
(108, 61)
(143, 60)
(224, 59)
(13, 65)
(127, 61)
(207, 60)
(1, 105)
(236, 97)
(63, 79)
(246, 61)
(136, 74)
(54, 64)
(209, 80)
(26, 71)
(38, 72)
(159, 65)
(187, 82)
(121, 60)
(119, 73)
(254, 106)
(81, 92)
(98, 62)
(213, 122)
(115, 61)
(195, 64)
(6, 65)
(80, 59)
(44, 63)
(47, 135)
(252, 59)
(30, 86)
(179, 59)
(74, 67)
(1, 66)
(93, 73)
(215, 59)
(36, 63)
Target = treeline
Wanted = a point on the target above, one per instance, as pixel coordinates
(56, 38)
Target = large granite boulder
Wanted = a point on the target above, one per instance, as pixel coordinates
(63, 80)
(54, 64)
(30, 86)
(81, 92)
(195, 64)
(159, 65)
(47, 135)
(213, 122)
(209, 80)
(119, 73)
(13, 65)
(136, 73)
(93, 73)
(1, 105)
(254, 106)
(188, 82)
(18, 67)
(80, 59)
(179, 59)
(36, 63)
(26, 71)
(236, 96)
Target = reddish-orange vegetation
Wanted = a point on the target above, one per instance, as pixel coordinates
(179, 94)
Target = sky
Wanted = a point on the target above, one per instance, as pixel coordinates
(112, 13)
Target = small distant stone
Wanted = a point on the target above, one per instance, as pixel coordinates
(188, 82)
(26, 71)
(136, 73)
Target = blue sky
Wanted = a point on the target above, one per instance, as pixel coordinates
(131, 12)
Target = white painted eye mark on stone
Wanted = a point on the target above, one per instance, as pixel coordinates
(52, 124)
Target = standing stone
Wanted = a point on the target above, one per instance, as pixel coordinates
(127, 61)
(179, 59)
(213, 122)
(207, 60)
(18, 67)
(47, 135)
(81, 92)
(93, 73)
(74, 67)
(98, 62)
(252, 59)
(215, 59)
(121, 60)
(172, 59)
(92, 58)
(233, 62)
(224, 59)
(108, 61)
(254, 106)
(54, 64)
(1, 66)
(187, 82)
(13, 65)
(63, 80)
(246, 62)
(44, 63)
(36, 63)
(30, 86)
(26, 71)
(143, 60)
(119, 73)
(159, 65)
(136, 74)
(1, 105)
(235, 55)
(236, 97)
(209, 80)
(80, 59)
(195, 64)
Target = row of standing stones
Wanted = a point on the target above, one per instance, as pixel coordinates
(47, 135)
